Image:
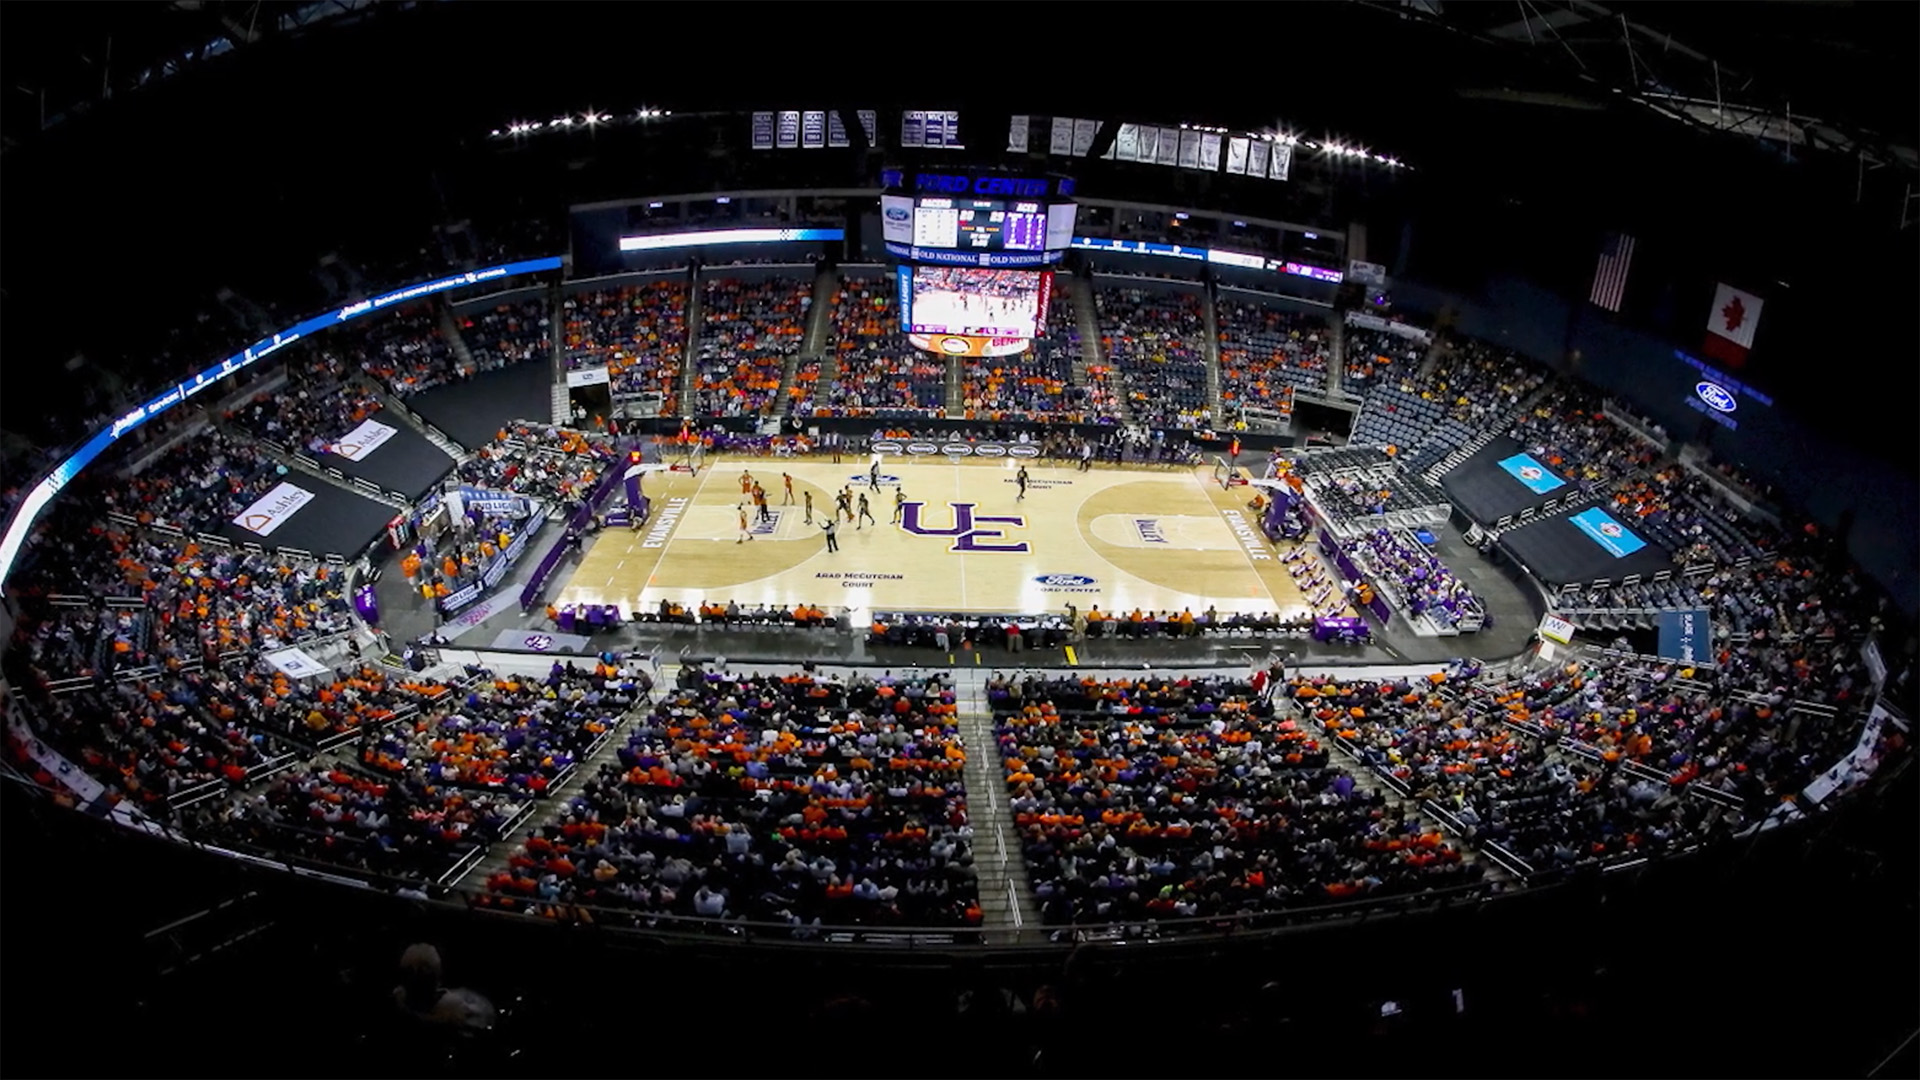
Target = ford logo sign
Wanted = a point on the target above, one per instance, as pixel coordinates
(989, 450)
(1717, 397)
(958, 449)
(922, 448)
(1023, 450)
(954, 346)
(1064, 581)
(896, 213)
(886, 448)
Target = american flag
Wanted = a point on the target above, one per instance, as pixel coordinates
(1610, 274)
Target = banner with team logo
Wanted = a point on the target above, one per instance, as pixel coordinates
(360, 443)
(1209, 153)
(273, 509)
(1060, 139)
(1257, 157)
(1538, 478)
(1608, 533)
(1279, 161)
(1017, 135)
(1237, 154)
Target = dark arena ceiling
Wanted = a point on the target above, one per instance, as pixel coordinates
(219, 137)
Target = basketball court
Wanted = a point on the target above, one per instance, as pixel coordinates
(1157, 540)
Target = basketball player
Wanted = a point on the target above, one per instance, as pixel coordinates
(846, 503)
(873, 476)
(1021, 479)
(899, 505)
(746, 482)
(808, 518)
(787, 479)
(744, 534)
(866, 515)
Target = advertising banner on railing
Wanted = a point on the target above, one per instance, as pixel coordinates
(1686, 636)
(273, 509)
(297, 664)
(360, 443)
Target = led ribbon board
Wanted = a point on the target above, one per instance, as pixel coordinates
(63, 474)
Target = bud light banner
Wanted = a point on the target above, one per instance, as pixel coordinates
(1686, 636)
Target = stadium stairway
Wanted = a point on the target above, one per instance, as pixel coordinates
(696, 314)
(955, 400)
(561, 397)
(1008, 910)
(1087, 314)
(450, 329)
(826, 284)
(1087, 322)
(1488, 432)
(1366, 778)
(1212, 352)
(813, 344)
(553, 809)
(393, 406)
(1336, 352)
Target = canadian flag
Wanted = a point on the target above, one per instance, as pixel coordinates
(1730, 324)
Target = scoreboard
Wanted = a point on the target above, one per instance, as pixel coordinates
(982, 219)
(979, 224)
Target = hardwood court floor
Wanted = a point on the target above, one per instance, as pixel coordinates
(1156, 539)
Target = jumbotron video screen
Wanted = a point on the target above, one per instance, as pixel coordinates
(976, 302)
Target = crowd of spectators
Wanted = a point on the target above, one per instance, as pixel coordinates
(407, 352)
(154, 737)
(1033, 385)
(197, 485)
(1153, 344)
(510, 333)
(1166, 798)
(1374, 357)
(505, 733)
(751, 327)
(555, 465)
(795, 798)
(313, 411)
(637, 332)
(1683, 514)
(1568, 432)
(444, 560)
(878, 372)
(1415, 579)
(1266, 353)
(1470, 385)
(387, 827)
(1553, 811)
(1787, 626)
